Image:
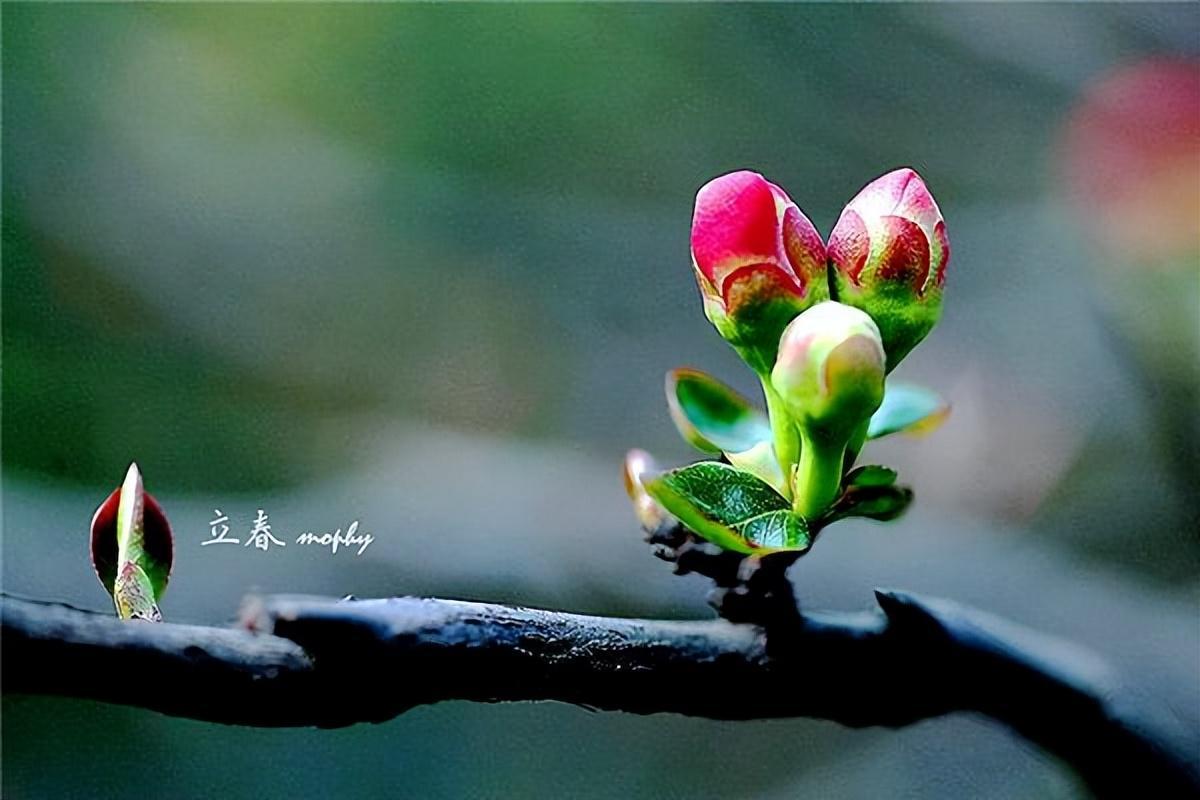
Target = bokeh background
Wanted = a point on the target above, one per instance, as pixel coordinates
(424, 267)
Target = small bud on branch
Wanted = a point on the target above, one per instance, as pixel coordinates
(889, 253)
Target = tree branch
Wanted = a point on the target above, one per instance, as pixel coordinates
(316, 661)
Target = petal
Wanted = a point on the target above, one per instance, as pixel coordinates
(756, 283)
(882, 196)
(735, 222)
(900, 193)
(781, 197)
(803, 247)
(905, 253)
(849, 245)
(708, 289)
(942, 256)
(859, 359)
(918, 205)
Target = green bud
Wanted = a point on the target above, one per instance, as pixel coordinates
(829, 377)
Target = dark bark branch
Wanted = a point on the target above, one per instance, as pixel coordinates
(315, 661)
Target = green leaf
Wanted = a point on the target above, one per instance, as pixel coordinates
(729, 507)
(712, 417)
(907, 408)
(881, 503)
(870, 475)
(777, 530)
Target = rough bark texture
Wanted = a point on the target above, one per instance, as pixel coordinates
(316, 661)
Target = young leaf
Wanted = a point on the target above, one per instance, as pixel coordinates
(881, 503)
(760, 462)
(712, 417)
(730, 508)
(638, 466)
(908, 408)
(870, 475)
(777, 530)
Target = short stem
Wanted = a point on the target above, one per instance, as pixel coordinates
(857, 440)
(819, 476)
(783, 430)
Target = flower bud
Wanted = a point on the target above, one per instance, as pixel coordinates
(829, 376)
(132, 548)
(831, 367)
(889, 252)
(758, 260)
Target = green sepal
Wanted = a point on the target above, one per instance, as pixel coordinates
(712, 417)
(730, 507)
(904, 318)
(756, 319)
(907, 408)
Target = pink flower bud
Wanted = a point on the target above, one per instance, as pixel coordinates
(759, 262)
(889, 252)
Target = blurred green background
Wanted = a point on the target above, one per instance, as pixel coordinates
(425, 266)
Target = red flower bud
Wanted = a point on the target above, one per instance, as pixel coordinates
(889, 252)
(759, 262)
